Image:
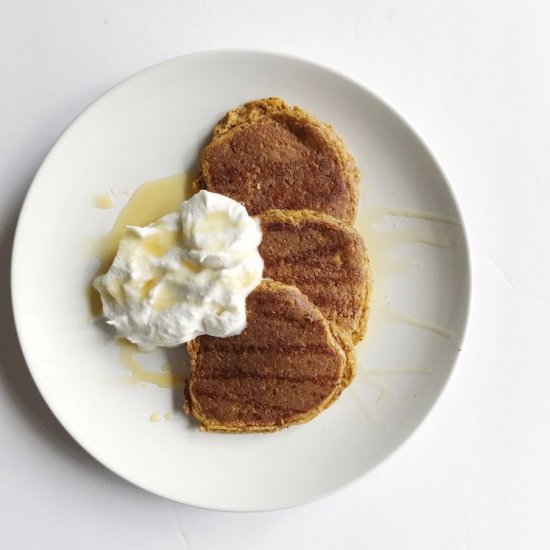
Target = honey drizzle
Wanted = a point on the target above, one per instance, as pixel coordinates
(379, 244)
(147, 204)
(103, 201)
(129, 358)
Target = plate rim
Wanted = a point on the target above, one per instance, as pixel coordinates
(282, 56)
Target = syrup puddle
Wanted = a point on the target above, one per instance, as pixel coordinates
(157, 417)
(146, 204)
(129, 356)
(103, 201)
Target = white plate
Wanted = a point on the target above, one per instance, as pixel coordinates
(153, 125)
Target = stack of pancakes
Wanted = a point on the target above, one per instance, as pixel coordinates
(296, 354)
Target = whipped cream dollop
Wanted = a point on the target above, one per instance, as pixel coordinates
(185, 275)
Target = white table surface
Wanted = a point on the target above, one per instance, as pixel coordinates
(473, 77)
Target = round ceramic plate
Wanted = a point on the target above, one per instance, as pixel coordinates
(153, 125)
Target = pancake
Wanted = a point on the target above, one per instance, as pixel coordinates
(325, 258)
(287, 366)
(268, 155)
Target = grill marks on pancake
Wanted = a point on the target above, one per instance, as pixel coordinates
(324, 258)
(296, 354)
(296, 363)
(278, 369)
(233, 400)
(272, 156)
(266, 166)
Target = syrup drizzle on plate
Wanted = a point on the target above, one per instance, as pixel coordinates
(157, 198)
(383, 233)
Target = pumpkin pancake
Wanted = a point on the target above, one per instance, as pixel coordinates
(268, 155)
(287, 366)
(325, 258)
